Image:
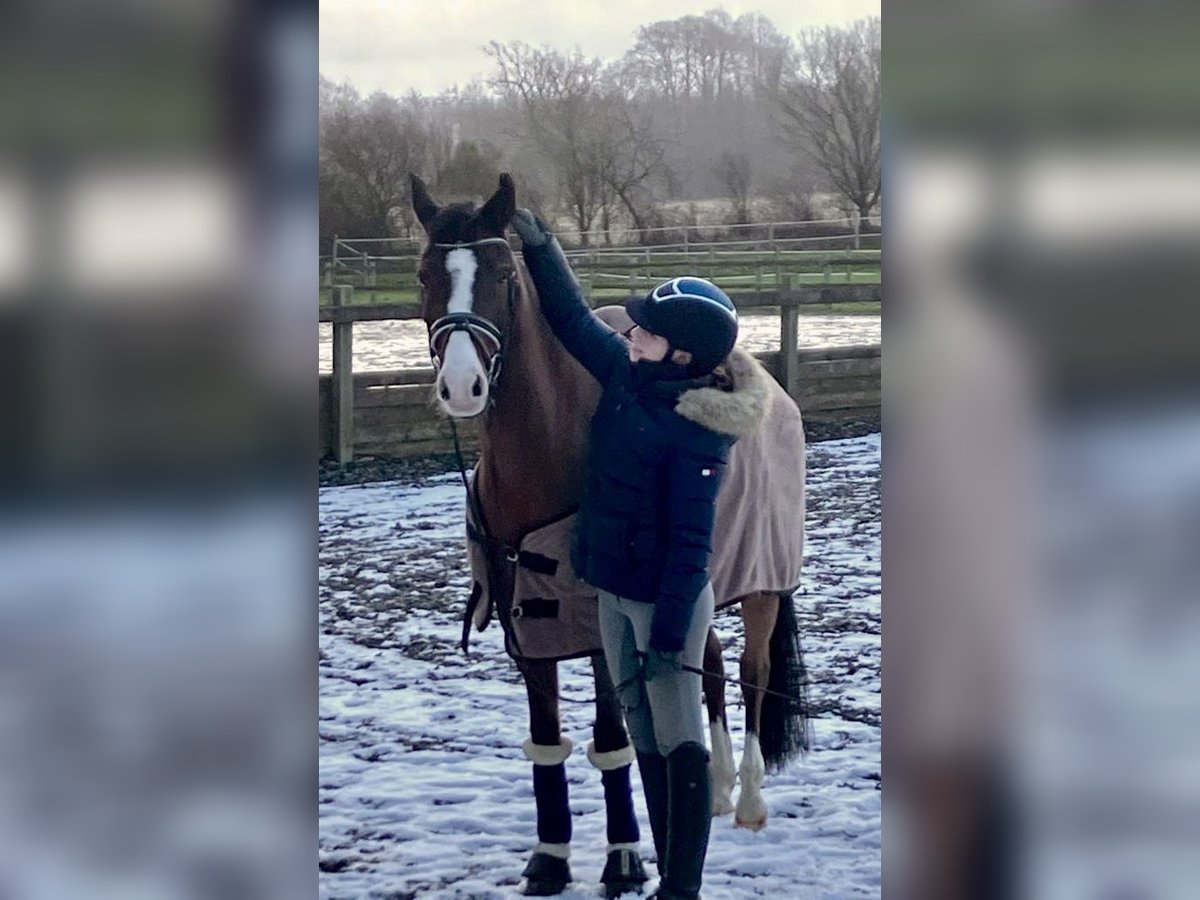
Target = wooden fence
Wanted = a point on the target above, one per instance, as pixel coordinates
(392, 413)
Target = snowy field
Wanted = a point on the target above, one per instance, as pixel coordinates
(424, 791)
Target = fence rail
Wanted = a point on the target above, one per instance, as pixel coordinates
(358, 258)
(389, 413)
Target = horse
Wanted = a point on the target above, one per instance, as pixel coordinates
(496, 359)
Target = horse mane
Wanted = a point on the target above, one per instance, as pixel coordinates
(534, 438)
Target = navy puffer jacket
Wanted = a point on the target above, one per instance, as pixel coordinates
(646, 515)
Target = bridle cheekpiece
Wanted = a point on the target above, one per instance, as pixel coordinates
(485, 335)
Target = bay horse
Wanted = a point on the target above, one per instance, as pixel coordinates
(496, 358)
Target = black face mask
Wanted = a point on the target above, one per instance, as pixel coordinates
(662, 370)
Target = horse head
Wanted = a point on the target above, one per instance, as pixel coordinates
(469, 289)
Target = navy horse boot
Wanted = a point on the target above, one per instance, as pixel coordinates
(623, 870)
(548, 871)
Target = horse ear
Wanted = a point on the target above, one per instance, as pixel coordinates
(499, 210)
(422, 204)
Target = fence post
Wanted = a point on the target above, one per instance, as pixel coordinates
(771, 235)
(333, 265)
(342, 381)
(789, 316)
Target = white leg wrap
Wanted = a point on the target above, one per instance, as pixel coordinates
(720, 769)
(547, 755)
(560, 851)
(751, 808)
(611, 759)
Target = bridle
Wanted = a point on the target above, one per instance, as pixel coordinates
(483, 333)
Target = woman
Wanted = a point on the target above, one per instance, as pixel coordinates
(645, 526)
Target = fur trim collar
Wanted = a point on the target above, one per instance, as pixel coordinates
(737, 412)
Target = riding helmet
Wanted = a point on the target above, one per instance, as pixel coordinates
(693, 314)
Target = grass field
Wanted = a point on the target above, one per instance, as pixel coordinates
(610, 276)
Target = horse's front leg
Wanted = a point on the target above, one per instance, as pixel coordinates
(720, 763)
(611, 753)
(548, 871)
(759, 612)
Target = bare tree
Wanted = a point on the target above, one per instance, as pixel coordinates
(734, 172)
(556, 93)
(829, 105)
(471, 172)
(631, 157)
(764, 51)
(367, 149)
(582, 118)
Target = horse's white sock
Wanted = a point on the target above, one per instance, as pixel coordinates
(751, 807)
(720, 767)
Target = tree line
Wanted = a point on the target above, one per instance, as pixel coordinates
(699, 107)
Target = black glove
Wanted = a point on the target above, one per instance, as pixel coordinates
(661, 662)
(530, 228)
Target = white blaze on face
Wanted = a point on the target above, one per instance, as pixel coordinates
(461, 265)
(461, 369)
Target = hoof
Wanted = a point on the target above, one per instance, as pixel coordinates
(751, 822)
(751, 810)
(545, 876)
(722, 805)
(623, 874)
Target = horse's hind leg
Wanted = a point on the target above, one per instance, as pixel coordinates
(759, 612)
(611, 753)
(720, 763)
(548, 871)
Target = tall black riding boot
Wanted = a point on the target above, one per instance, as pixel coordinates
(689, 818)
(653, 769)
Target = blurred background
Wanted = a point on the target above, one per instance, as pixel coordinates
(157, 688)
(1042, 488)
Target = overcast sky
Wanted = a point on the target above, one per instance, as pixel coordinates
(430, 45)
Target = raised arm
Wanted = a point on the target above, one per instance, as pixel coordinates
(586, 338)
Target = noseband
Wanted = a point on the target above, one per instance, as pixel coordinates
(482, 332)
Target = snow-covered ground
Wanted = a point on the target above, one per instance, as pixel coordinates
(424, 791)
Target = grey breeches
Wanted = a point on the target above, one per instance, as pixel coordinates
(665, 712)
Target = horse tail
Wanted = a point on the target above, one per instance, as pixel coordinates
(784, 727)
